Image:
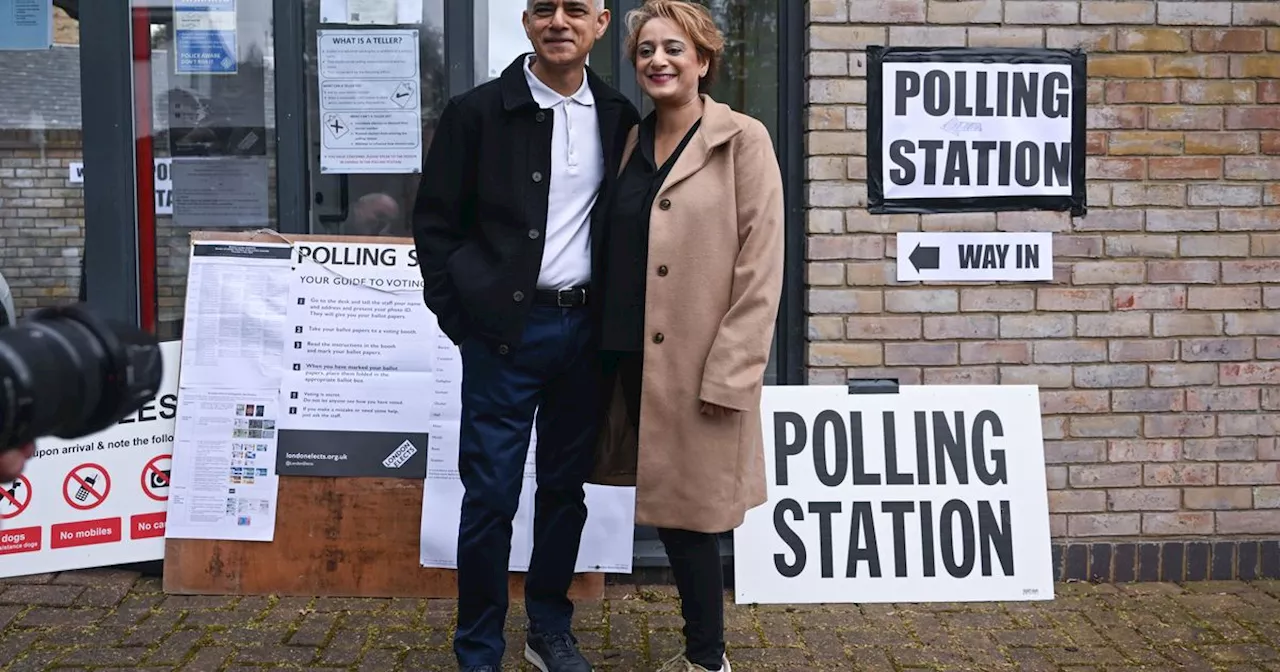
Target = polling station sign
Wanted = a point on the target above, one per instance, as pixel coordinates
(952, 129)
(924, 494)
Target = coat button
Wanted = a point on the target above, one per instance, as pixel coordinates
(665, 204)
(662, 271)
(541, 116)
(533, 234)
(537, 177)
(518, 297)
(658, 337)
(502, 349)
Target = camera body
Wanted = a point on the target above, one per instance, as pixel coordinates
(67, 372)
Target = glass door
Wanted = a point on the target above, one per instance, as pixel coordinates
(204, 77)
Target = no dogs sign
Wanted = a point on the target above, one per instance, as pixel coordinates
(975, 130)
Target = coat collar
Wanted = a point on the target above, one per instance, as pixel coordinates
(720, 124)
(516, 93)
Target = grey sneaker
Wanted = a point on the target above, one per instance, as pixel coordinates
(681, 664)
(555, 653)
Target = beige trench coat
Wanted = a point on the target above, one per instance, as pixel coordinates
(712, 294)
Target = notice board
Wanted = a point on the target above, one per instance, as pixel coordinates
(339, 537)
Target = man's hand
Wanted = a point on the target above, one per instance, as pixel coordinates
(717, 411)
(12, 461)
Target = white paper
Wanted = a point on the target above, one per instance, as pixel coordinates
(224, 478)
(983, 256)
(960, 123)
(233, 334)
(370, 106)
(408, 12)
(609, 533)
(119, 517)
(220, 191)
(962, 465)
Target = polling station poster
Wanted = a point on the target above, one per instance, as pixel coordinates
(927, 494)
(953, 129)
(97, 500)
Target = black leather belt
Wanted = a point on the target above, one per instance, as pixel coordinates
(573, 297)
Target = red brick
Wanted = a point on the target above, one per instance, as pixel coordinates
(1249, 473)
(1224, 298)
(1182, 425)
(1150, 298)
(1254, 270)
(1075, 401)
(1072, 299)
(961, 326)
(1220, 449)
(1074, 452)
(1153, 39)
(1179, 474)
(1105, 426)
(1104, 524)
(995, 352)
(1223, 40)
(1251, 168)
(1114, 325)
(1114, 168)
(888, 327)
(1210, 92)
(1192, 66)
(1189, 118)
(1142, 91)
(1218, 499)
(1069, 352)
(1201, 142)
(1255, 65)
(1146, 401)
(1144, 499)
(1146, 143)
(1217, 349)
(1245, 324)
(1255, 117)
(1077, 501)
(1095, 143)
(1250, 219)
(1269, 91)
(1127, 66)
(1248, 522)
(1184, 168)
(1182, 271)
(1222, 399)
(1144, 351)
(1138, 450)
(1175, 324)
(1177, 523)
(1271, 142)
(1127, 116)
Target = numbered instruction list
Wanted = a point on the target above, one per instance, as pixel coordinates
(356, 370)
(370, 106)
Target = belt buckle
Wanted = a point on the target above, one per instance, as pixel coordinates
(564, 297)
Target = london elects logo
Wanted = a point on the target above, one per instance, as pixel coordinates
(400, 455)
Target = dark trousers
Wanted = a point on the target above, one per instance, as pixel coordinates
(694, 556)
(555, 374)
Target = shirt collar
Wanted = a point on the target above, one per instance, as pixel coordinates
(546, 96)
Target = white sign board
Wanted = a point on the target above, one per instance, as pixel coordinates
(370, 106)
(163, 178)
(974, 257)
(931, 494)
(972, 130)
(97, 500)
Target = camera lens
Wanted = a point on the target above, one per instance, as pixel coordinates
(65, 373)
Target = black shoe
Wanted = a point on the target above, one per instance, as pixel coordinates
(482, 668)
(555, 653)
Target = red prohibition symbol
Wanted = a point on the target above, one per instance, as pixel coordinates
(155, 478)
(17, 497)
(86, 486)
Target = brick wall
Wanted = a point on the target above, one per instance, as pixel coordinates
(1157, 346)
(41, 218)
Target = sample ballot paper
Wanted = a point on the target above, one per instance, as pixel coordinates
(224, 483)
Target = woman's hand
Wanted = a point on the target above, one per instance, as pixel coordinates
(717, 411)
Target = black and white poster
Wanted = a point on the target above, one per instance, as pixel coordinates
(928, 494)
(953, 129)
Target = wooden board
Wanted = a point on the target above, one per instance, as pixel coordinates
(335, 537)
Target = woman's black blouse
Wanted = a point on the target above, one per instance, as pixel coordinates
(627, 252)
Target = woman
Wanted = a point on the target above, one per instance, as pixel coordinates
(692, 277)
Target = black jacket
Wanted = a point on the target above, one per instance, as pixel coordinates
(481, 213)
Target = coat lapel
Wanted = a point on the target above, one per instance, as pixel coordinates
(718, 127)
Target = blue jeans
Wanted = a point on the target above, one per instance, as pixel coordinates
(555, 373)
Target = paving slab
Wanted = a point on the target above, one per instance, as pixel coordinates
(117, 620)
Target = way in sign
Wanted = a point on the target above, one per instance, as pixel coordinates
(961, 257)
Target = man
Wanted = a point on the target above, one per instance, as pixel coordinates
(506, 226)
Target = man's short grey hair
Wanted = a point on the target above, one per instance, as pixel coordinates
(599, 5)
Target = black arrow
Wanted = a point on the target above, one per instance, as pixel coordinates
(925, 257)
